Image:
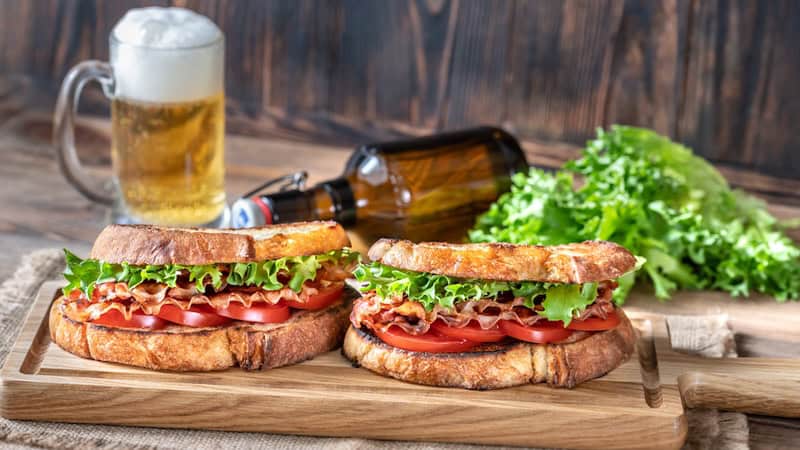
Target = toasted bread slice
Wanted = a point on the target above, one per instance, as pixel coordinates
(148, 244)
(179, 348)
(493, 366)
(582, 262)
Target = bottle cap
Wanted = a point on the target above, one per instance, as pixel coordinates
(248, 213)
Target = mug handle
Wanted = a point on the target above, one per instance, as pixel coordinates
(64, 128)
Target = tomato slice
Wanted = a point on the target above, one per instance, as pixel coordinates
(472, 332)
(258, 312)
(196, 316)
(429, 342)
(595, 323)
(114, 318)
(324, 298)
(541, 332)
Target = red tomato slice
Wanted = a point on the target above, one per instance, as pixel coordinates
(114, 318)
(540, 333)
(196, 316)
(595, 323)
(258, 312)
(428, 342)
(472, 332)
(324, 298)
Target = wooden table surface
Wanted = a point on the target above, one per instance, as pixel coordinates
(40, 209)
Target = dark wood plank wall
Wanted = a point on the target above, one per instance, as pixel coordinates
(719, 75)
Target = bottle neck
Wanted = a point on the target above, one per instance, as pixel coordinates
(329, 200)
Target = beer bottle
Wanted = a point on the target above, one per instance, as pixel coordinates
(428, 188)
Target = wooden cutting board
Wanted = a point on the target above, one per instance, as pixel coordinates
(328, 397)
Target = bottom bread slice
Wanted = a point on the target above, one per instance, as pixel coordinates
(493, 366)
(180, 348)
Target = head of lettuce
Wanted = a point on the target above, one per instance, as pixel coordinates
(654, 197)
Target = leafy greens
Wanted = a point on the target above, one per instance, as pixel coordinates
(561, 301)
(85, 274)
(656, 198)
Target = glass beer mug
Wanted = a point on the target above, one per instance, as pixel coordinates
(165, 81)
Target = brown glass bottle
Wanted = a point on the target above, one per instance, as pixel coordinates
(428, 188)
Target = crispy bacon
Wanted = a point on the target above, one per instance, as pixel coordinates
(183, 291)
(149, 293)
(412, 317)
(602, 306)
(149, 297)
(332, 272)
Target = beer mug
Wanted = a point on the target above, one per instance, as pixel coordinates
(165, 81)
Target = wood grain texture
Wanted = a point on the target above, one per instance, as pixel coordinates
(41, 381)
(647, 64)
(752, 385)
(735, 101)
(776, 397)
(717, 75)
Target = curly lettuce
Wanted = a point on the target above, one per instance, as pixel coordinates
(554, 301)
(653, 196)
(85, 274)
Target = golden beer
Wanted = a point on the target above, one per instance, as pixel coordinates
(166, 82)
(168, 159)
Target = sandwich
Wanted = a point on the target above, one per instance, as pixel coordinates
(487, 316)
(187, 299)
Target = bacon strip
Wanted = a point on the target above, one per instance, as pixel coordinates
(411, 316)
(149, 297)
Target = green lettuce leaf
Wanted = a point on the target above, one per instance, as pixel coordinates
(565, 301)
(561, 301)
(85, 274)
(653, 196)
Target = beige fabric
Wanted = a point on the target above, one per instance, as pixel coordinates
(708, 336)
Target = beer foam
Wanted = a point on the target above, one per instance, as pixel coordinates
(167, 55)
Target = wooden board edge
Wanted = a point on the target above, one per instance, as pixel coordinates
(346, 418)
(36, 318)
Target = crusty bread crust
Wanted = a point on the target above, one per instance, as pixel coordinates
(179, 348)
(494, 366)
(582, 262)
(149, 244)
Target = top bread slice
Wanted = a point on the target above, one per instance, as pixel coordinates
(149, 244)
(576, 263)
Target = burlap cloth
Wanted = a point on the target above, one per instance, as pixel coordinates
(707, 336)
